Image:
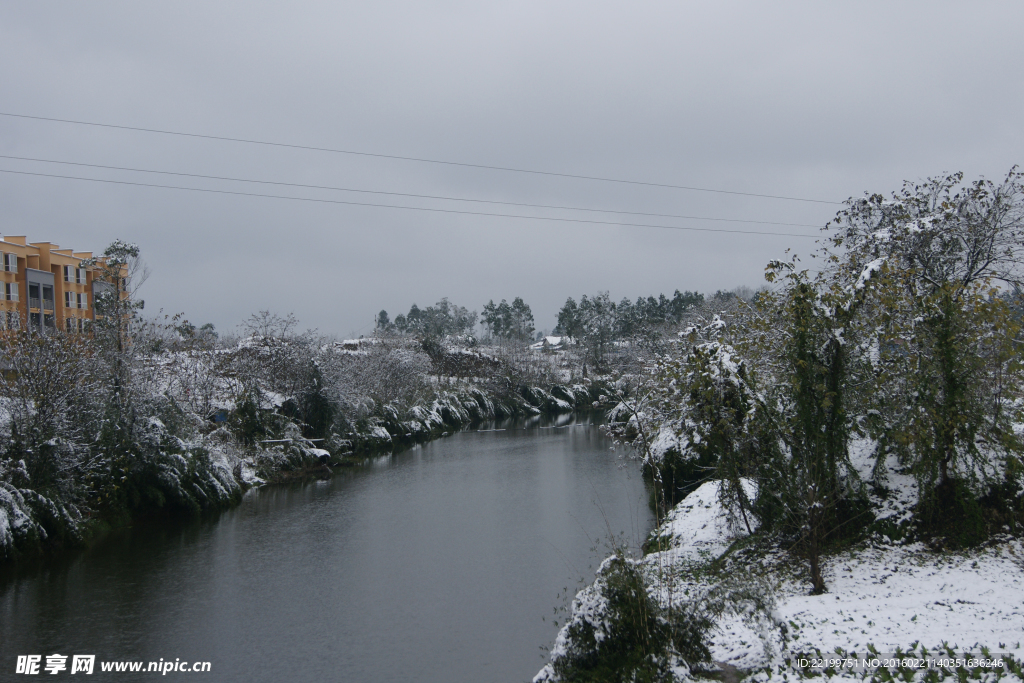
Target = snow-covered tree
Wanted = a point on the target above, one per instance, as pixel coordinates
(947, 252)
(435, 322)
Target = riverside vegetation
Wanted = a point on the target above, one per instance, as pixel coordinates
(866, 412)
(146, 418)
(873, 402)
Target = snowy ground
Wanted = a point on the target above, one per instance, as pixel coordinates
(894, 597)
(881, 595)
(889, 596)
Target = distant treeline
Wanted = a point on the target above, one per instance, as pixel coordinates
(515, 322)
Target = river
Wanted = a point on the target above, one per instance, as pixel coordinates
(440, 563)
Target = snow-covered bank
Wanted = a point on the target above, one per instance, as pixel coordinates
(462, 407)
(881, 595)
(186, 465)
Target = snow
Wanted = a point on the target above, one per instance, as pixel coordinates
(698, 530)
(6, 536)
(14, 516)
(725, 354)
(588, 605)
(869, 270)
(885, 595)
(892, 597)
(547, 342)
(619, 412)
(896, 502)
(275, 399)
(665, 442)
(699, 527)
(920, 225)
(879, 594)
(561, 405)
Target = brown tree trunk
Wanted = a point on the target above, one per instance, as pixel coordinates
(817, 582)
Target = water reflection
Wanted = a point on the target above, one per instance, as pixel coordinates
(440, 563)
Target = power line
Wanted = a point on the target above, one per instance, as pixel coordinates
(509, 169)
(404, 194)
(408, 208)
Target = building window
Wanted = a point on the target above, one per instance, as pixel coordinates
(70, 300)
(68, 273)
(47, 298)
(34, 295)
(83, 300)
(10, 263)
(71, 324)
(80, 275)
(11, 291)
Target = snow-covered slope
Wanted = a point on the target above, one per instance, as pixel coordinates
(881, 595)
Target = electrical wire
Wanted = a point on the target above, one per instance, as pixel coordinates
(424, 160)
(408, 208)
(403, 194)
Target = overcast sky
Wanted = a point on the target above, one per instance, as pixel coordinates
(810, 100)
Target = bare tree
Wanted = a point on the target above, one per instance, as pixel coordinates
(267, 324)
(51, 392)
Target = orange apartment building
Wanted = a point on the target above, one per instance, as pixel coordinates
(46, 287)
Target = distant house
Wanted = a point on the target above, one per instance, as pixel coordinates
(45, 287)
(550, 344)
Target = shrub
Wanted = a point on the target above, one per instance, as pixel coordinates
(623, 634)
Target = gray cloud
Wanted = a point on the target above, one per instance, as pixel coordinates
(802, 99)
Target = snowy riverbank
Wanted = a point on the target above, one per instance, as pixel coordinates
(882, 597)
(186, 466)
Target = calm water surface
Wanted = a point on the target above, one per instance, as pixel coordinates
(442, 563)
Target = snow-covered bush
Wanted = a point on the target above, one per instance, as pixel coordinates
(654, 618)
(619, 632)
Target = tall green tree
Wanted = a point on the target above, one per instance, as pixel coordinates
(946, 249)
(804, 335)
(509, 322)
